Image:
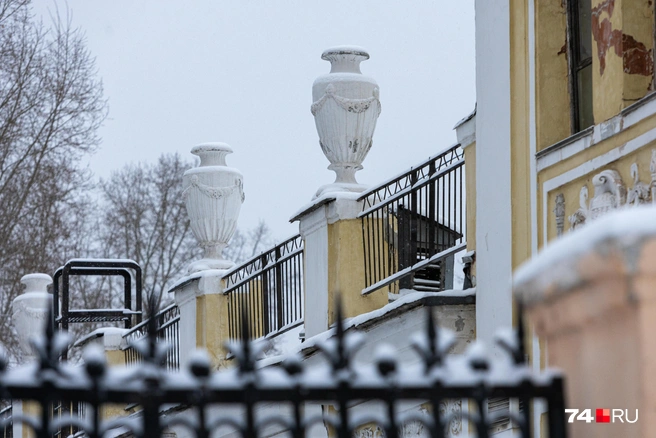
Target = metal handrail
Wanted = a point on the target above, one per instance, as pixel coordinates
(394, 185)
(168, 330)
(411, 219)
(269, 289)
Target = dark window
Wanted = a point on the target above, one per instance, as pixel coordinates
(580, 63)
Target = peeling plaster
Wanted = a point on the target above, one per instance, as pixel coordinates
(636, 58)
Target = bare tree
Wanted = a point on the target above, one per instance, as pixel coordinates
(51, 105)
(145, 220)
(245, 245)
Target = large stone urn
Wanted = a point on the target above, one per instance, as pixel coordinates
(213, 195)
(345, 110)
(29, 311)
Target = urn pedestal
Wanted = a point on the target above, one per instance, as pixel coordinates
(30, 310)
(346, 108)
(213, 196)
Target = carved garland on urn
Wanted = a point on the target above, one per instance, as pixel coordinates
(610, 193)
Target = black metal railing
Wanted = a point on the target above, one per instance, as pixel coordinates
(66, 409)
(269, 287)
(413, 224)
(6, 418)
(168, 330)
(295, 398)
(129, 270)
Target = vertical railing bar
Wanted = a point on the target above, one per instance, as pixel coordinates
(279, 294)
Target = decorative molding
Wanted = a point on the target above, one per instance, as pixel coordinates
(580, 216)
(369, 432)
(590, 166)
(610, 193)
(640, 192)
(350, 105)
(452, 409)
(214, 192)
(559, 211)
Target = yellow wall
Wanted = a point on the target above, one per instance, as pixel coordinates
(638, 44)
(470, 205)
(212, 326)
(551, 73)
(519, 133)
(346, 271)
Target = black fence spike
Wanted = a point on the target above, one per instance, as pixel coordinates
(291, 381)
(246, 361)
(520, 356)
(341, 359)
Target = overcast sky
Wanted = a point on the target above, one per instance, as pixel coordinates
(178, 73)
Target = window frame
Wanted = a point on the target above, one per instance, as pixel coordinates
(575, 64)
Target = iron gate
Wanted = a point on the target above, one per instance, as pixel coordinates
(472, 376)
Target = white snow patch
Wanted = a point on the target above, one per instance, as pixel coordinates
(197, 276)
(106, 332)
(325, 198)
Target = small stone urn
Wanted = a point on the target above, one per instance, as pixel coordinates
(213, 195)
(29, 311)
(345, 110)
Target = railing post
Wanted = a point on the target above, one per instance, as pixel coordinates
(333, 257)
(266, 310)
(279, 300)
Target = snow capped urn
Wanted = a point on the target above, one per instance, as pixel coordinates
(345, 111)
(29, 311)
(213, 195)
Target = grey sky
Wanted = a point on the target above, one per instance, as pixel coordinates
(178, 73)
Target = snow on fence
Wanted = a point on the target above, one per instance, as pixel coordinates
(269, 287)
(295, 388)
(412, 219)
(168, 330)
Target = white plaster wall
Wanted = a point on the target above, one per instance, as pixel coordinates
(186, 301)
(493, 203)
(314, 229)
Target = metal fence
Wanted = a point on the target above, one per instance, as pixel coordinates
(413, 224)
(8, 424)
(269, 288)
(339, 384)
(167, 323)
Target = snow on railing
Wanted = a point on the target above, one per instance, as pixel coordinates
(270, 287)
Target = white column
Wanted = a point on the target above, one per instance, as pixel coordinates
(493, 178)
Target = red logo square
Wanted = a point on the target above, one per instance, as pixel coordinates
(603, 415)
